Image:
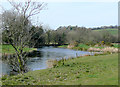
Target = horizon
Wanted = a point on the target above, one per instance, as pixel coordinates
(90, 27)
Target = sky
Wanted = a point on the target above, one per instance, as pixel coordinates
(87, 14)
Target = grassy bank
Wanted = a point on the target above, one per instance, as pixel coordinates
(87, 70)
(85, 47)
(10, 50)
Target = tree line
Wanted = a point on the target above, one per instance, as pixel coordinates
(104, 27)
(66, 35)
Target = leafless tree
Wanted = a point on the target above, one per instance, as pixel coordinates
(17, 25)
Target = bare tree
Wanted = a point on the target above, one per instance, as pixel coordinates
(17, 25)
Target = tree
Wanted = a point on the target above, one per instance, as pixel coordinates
(48, 33)
(17, 27)
(37, 36)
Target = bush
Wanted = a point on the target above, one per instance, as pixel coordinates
(74, 43)
(4, 77)
(91, 43)
(108, 44)
(79, 48)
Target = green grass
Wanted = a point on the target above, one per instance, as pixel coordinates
(11, 50)
(112, 31)
(63, 46)
(83, 46)
(99, 47)
(88, 70)
(116, 45)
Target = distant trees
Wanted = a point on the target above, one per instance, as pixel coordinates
(54, 37)
(48, 36)
(37, 36)
(70, 34)
(104, 27)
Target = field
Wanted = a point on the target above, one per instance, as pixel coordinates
(87, 70)
(112, 31)
(9, 49)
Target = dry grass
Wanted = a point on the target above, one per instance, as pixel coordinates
(51, 63)
(106, 49)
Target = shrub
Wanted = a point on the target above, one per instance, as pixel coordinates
(108, 44)
(4, 77)
(91, 43)
(74, 43)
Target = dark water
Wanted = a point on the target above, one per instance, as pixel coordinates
(38, 61)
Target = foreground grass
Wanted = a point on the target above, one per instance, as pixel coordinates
(9, 49)
(88, 70)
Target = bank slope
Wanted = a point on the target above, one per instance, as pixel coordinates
(88, 70)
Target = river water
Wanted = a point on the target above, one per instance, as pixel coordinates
(45, 53)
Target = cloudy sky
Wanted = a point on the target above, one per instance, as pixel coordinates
(87, 14)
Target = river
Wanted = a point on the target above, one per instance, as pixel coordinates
(45, 53)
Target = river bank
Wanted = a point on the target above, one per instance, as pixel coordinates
(8, 49)
(87, 70)
(112, 48)
(37, 59)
